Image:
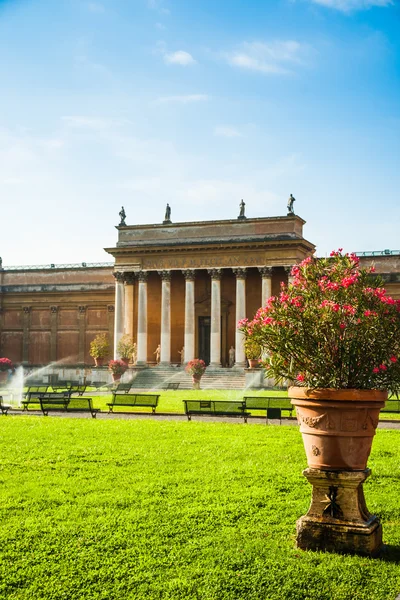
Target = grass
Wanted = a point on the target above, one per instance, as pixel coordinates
(132, 510)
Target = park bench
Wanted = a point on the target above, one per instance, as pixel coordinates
(273, 405)
(223, 408)
(4, 407)
(134, 400)
(122, 388)
(391, 406)
(64, 403)
(172, 385)
(32, 394)
(72, 387)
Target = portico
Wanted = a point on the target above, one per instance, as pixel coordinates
(186, 285)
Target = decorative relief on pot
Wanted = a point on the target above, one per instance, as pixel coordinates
(312, 421)
(369, 420)
(348, 423)
(315, 450)
(326, 422)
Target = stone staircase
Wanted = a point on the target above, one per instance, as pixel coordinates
(159, 377)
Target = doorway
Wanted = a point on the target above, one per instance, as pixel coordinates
(204, 338)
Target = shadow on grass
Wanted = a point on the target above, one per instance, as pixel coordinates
(389, 553)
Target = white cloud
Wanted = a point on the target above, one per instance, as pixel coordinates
(96, 7)
(160, 26)
(352, 5)
(185, 99)
(277, 57)
(227, 131)
(180, 57)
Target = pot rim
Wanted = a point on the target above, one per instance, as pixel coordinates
(337, 395)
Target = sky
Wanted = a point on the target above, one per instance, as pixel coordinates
(199, 104)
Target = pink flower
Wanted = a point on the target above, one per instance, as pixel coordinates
(342, 326)
(335, 307)
(300, 377)
(383, 367)
(375, 370)
(393, 359)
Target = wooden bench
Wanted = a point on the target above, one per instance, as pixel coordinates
(60, 402)
(273, 405)
(4, 407)
(72, 388)
(121, 388)
(32, 395)
(134, 400)
(391, 406)
(222, 408)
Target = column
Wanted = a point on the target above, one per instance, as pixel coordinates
(119, 310)
(165, 341)
(142, 319)
(81, 333)
(190, 324)
(25, 333)
(110, 324)
(129, 279)
(53, 333)
(288, 271)
(215, 342)
(266, 283)
(240, 356)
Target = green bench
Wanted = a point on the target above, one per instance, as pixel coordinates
(133, 401)
(273, 405)
(32, 395)
(4, 407)
(64, 403)
(391, 406)
(216, 408)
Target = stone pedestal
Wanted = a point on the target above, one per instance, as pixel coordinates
(338, 519)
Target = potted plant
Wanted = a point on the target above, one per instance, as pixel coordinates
(5, 367)
(253, 352)
(196, 369)
(126, 348)
(99, 348)
(117, 368)
(334, 334)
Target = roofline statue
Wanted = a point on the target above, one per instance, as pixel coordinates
(291, 200)
(167, 217)
(122, 216)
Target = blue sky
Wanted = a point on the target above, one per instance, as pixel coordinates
(200, 103)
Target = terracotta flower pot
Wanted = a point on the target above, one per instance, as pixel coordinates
(125, 360)
(253, 363)
(196, 381)
(99, 362)
(337, 426)
(116, 376)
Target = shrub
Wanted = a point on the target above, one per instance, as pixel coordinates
(334, 326)
(126, 346)
(100, 347)
(195, 367)
(6, 364)
(117, 367)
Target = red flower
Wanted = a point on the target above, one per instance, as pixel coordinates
(300, 377)
(393, 359)
(375, 370)
(383, 367)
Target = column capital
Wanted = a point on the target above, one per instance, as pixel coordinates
(82, 309)
(265, 271)
(142, 276)
(119, 276)
(165, 275)
(215, 273)
(53, 309)
(240, 272)
(110, 308)
(129, 277)
(189, 274)
(27, 309)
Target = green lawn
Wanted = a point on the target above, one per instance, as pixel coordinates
(132, 510)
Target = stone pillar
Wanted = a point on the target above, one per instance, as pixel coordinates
(110, 324)
(142, 320)
(240, 356)
(288, 271)
(119, 310)
(129, 279)
(165, 341)
(190, 324)
(53, 333)
(25, 333)
(266, 283)
(215, 342)
(81, 333)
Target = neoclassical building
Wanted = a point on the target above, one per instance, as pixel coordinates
(185, 285)
(177, 285)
